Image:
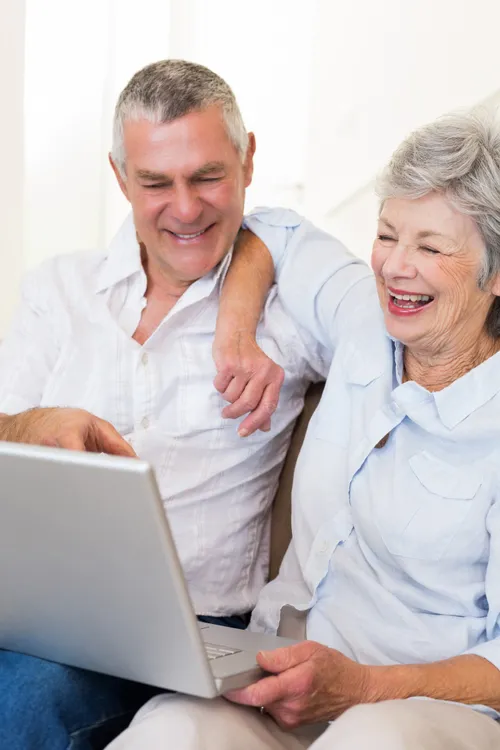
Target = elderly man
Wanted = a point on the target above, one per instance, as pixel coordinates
(124, 337)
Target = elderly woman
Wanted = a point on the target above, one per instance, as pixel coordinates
(395, 558)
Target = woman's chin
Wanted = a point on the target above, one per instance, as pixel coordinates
(406, 331)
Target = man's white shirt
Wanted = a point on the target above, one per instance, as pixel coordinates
(71, 345)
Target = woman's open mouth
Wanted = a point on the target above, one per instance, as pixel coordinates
(407, 303)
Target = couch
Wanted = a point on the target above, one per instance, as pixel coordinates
(281, 529)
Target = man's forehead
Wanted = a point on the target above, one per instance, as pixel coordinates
(189, 143)
(209, 122)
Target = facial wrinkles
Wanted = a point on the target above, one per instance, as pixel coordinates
(458, 302)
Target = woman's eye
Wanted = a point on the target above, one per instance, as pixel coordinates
(430, 250)
(385, 238)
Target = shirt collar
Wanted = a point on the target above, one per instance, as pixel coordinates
(123, 259)
(467, 394)
(464, 396)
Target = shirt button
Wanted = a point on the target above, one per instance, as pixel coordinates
(145, 423)
(144, 359)
(323, 548)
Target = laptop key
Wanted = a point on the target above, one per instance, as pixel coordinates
(215, 652)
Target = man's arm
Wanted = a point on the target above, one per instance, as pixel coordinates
(73, 429)
(27, 359)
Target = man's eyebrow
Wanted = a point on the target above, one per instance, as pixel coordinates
(145, 174)
(209, 168)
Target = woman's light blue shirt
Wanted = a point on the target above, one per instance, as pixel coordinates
(396, 543)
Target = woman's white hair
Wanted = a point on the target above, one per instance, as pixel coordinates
(458, 155)
(169, 89)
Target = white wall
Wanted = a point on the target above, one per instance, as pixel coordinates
(381, 69)
(72, 81)
(11, 151)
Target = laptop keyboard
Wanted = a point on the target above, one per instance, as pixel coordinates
(215, 652)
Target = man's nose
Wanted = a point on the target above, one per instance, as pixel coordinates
(186, 205)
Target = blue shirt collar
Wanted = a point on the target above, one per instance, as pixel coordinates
(464, 396)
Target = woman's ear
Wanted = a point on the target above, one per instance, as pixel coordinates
(494, 285)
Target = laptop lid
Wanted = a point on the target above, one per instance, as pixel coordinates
(89, 572)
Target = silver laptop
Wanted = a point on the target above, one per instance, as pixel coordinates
(89, 576)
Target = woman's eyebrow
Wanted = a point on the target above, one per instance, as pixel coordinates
(431, 233)
(387, 223)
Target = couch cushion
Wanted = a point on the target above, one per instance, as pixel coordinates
(281, 526)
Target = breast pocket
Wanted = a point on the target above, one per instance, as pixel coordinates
(430, 504)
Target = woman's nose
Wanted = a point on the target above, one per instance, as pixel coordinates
(399, 263)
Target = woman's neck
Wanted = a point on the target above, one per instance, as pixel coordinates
(435, 372)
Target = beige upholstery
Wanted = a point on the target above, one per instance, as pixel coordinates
(281, 515)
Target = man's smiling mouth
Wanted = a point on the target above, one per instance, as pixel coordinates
(192, 236)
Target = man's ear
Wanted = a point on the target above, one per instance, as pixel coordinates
(119, 177)
(248, 163)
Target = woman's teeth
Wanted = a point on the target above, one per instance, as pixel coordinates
(409, 301)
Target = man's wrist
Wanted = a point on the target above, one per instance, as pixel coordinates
(6, 422)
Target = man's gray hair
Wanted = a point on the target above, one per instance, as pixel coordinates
(169, 89)
(458, 155)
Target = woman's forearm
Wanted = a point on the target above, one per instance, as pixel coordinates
(466, 679)
(245, 288)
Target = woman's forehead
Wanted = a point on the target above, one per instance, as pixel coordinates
(431, 215)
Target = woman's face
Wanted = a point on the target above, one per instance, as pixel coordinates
(427, 258)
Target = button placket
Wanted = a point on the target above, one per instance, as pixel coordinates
(143, 392)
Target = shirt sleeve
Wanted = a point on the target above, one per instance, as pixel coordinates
(321, 284)
(29, 352)
(490, 647)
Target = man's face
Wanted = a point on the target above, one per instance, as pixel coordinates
(186, 183)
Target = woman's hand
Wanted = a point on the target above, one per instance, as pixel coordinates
(310, 683)
(246, 377)
(249, 380)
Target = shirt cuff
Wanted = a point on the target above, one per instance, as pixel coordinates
(273, 226)
(489, 650)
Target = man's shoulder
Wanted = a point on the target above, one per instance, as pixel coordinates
(67, 271)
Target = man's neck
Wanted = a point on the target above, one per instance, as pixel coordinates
(162, 294)
(161, 285)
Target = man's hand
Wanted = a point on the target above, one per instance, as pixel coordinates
(249, 380)
(73, 429)
(310, 683)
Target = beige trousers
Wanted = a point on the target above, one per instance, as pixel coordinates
(175, 722)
